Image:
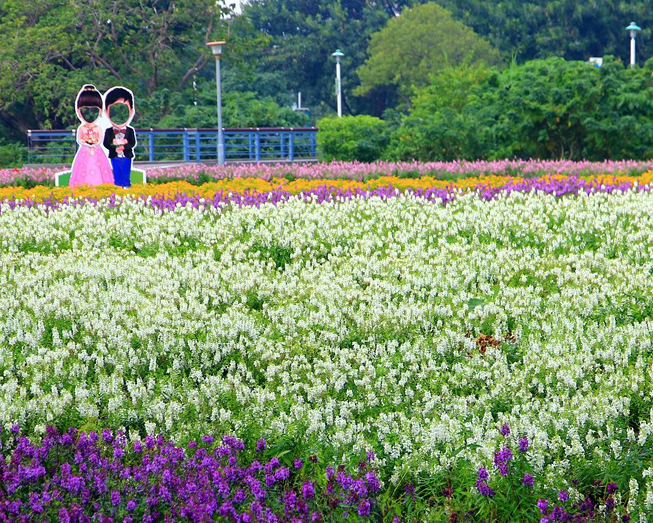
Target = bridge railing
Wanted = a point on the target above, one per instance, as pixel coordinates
(189, 145)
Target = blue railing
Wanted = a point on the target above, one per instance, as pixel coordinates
(190, 145)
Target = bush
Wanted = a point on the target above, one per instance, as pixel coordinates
(361, 138)
(12, 155)
(545, 109)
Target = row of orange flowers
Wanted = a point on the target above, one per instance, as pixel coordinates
(257, 185)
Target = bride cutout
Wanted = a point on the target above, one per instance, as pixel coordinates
(91, 165)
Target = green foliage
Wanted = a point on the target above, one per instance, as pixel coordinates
(443, 123)
(52, 48)
(544, 109)
(566, 28)
(198, 109)
(302, 36)
(349, 138)
(12, 154)
(422, 41)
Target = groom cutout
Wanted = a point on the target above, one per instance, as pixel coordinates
(120, 138)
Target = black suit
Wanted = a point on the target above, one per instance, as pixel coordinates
(130, 136)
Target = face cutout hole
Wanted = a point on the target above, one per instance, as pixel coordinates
(89, 114)
(119, 113)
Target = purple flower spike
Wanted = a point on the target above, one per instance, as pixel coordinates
(364, 508)
(563, 495)
(505, 429)
(523, 444)
(528, 480)
(260, 445)
(543, 505)
(612, 488)
(484, 489)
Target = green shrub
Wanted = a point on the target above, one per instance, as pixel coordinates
(362, 138)
(12, 155)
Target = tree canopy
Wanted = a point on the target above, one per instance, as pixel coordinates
(527, 29)
(549, 109)
(422, 41)
(51, 48)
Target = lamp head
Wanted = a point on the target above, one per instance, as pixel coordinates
(338, 55)
(216, 48)
(633, 29)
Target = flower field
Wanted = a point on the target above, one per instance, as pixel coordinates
(430, 324)
(197, 173)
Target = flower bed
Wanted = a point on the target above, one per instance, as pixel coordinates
(255, 191)
(199, 174)
(379, 321)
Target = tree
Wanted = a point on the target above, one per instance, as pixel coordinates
(446, 122)
(417, 44)
(546, 109)
(51, 48)
(573, 30)
(303, 34)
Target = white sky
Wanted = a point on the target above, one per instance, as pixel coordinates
(237, 2)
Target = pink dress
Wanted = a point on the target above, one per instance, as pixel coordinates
(91, 165)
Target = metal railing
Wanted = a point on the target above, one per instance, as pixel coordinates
(189, 145)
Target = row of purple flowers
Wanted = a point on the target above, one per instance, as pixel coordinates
(75, 476)
(558, 187)
(82, 477)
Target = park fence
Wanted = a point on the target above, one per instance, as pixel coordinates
(252, 144)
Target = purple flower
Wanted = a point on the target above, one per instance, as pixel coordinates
(207, 439)
(15, 428)
(483, 474)
(260, 445)
(330, 472)
(543, 505)
(298, 464)
(625, 517)
(372, 482)
(115, 497)
(370, 456)
(563, 495)
(611, 488)
(308, 490)
(528, 480)
(282, 474)
(131, 505)
(505, 429)
(410, 490)
(484, 489)
(364, 508)
(523, 444)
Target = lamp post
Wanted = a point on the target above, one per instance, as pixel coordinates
(216, 49)
(338, 55)
(632, 29)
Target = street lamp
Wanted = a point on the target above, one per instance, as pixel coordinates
(216, 49)
(632, 29)
(338, 55)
